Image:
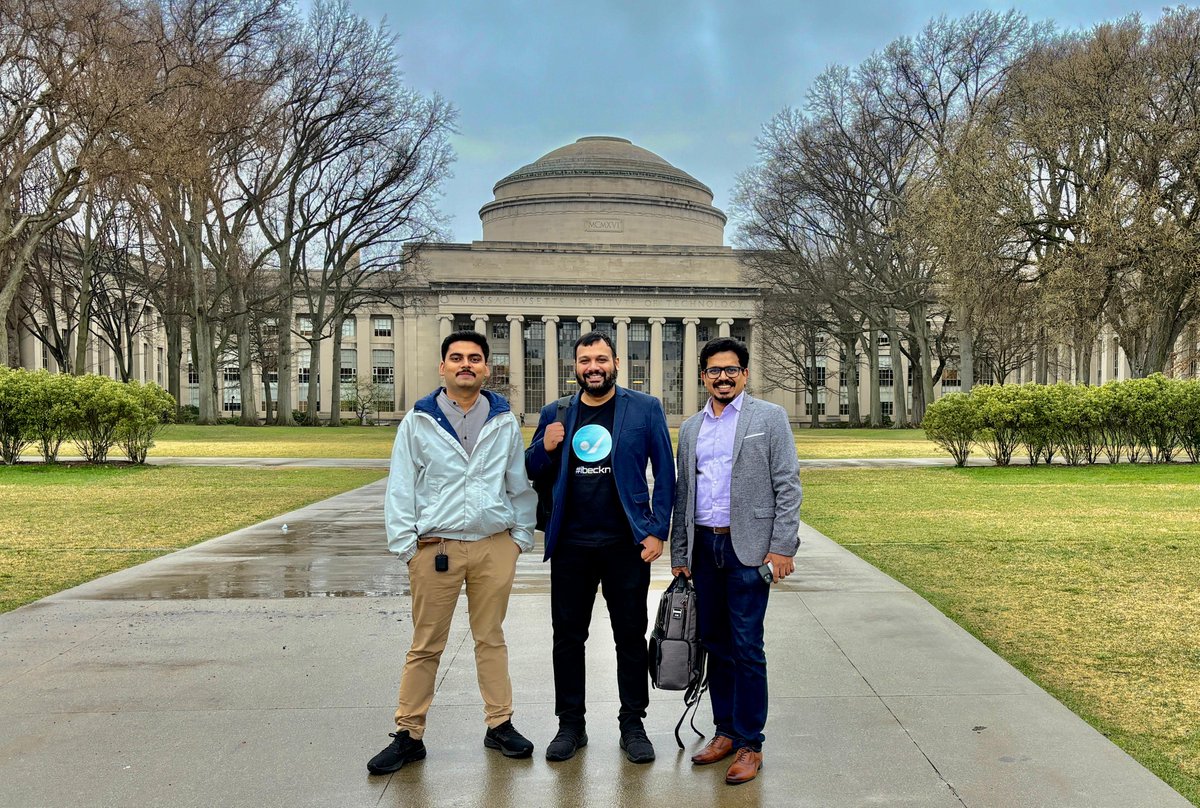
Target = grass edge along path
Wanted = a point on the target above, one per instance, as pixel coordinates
(66, 525)
(184, 440)
(1082, 578)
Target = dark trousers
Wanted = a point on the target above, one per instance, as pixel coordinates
(732, 607)
(575, 572)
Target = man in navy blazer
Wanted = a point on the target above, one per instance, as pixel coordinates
(605, 529)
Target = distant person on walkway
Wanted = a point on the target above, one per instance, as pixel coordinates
(458, 508)
(737, 509)
(604, 530)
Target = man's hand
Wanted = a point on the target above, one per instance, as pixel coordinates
(651, 548)
(782, 565)
(684, 571)
(553, 436)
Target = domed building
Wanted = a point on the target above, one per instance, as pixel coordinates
(599, 234)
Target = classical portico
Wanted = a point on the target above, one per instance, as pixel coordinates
(597, 235)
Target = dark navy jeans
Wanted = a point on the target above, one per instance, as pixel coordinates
(732, 601)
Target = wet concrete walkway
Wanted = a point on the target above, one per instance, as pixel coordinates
(260, 669)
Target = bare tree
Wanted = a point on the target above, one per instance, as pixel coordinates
(69, 70)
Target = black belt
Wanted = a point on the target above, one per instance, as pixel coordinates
(720, 531)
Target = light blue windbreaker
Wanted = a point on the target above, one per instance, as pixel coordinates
(435, 489)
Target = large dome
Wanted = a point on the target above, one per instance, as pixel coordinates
(602, 190)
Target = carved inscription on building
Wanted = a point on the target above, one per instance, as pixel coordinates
(604, 225)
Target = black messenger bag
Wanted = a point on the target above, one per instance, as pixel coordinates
(676, 656)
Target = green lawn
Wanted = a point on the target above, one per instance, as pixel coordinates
(353, 441)
(1084, 578)
(65, 525)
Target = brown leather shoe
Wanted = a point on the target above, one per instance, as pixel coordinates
(718, 748)
(744, 767)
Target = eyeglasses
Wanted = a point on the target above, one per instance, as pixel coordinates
(732, 371)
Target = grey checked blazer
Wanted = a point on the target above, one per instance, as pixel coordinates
(764, 496)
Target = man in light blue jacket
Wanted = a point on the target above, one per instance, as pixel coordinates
(458, 508)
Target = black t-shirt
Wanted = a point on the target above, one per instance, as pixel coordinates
(594, 514)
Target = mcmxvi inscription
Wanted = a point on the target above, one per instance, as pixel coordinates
(605, 226)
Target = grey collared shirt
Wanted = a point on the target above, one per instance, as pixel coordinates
(467, 423)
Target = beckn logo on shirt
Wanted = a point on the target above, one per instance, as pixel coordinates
(592, 443)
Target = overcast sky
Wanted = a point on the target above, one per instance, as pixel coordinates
(693, 82)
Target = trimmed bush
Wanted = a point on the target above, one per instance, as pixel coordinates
(1154, 417)
(952, 423)
(154, 408)
(999, 411)
(53, 411)
(15, 411)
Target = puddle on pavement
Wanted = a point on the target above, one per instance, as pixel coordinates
(343, 558)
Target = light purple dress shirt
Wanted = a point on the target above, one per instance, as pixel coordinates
(714, 463)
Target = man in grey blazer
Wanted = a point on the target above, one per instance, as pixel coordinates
(737, 510)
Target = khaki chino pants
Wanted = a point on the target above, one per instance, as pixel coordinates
(488, 567)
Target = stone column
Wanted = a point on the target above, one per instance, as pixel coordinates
(407, 360)
(446, 326)
(31, 355)
(481, 321)
(551, 359)
(656, 356)
(623, 349)
(516, 361)
(362, 345)
(325, 384)
(723, 324)
(691, 365)
(586, 324)
(755, 355)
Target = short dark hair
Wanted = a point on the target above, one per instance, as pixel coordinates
(466, 336)
(721, 345)
(591, 338)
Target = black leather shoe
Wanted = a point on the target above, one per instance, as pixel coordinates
(510, 742)
(566, 743)
(637, 746)
(403, 749)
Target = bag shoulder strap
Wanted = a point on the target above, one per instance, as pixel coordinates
(561, 415)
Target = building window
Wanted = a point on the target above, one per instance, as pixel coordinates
(193, 374)
(672, 370)
(885, 371)
(383, 373)
(702, 335)
(535, 363)
(350, 327)
(639, 356)
(884, 340)
(231, 400)
(808, 406)
(303, 362)
(304, 324)
(950, 376)
(382, 326)
(501, 371)
(348, 373)
(464, 322)
(567, 334)
(158, 368)
(383, 367)
(886, 408)
(499, 332)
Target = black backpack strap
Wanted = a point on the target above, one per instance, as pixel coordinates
(691, 701)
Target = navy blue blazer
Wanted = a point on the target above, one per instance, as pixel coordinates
(640, 436)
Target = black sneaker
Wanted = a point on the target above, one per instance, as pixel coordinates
(403, 749)
(506, 738)
(566, 743)
(636, 745)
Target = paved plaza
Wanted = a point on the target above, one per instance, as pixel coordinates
(260, 669)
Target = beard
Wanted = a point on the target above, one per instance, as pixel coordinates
(599, 388)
